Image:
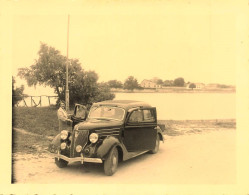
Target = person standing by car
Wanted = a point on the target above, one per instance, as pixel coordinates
(64, 122)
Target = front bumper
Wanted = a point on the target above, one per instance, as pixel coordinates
(81, 159)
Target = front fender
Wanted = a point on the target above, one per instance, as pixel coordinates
(55, 143)
(106, 146)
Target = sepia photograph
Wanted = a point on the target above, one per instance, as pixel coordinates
(144, 94)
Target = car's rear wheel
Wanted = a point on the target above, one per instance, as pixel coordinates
(111, 163)
(156, 149)
(60, 163)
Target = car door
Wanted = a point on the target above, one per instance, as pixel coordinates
(80, 114)
(139, 131)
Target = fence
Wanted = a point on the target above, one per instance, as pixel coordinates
(34, 101)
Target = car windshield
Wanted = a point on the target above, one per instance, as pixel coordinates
(107, 113)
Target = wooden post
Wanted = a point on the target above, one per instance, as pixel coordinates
(25, 102)
(67, 90)
(35, 103)
(40, 102)
(31, 101)
(49, 100)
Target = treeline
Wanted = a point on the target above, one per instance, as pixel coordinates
(132, 83)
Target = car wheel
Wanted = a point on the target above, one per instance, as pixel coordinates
(111, 163)
(60, 163)
(156, 149)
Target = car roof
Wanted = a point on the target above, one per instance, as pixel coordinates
(126, 104)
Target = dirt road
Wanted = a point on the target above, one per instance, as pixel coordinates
(204, 158)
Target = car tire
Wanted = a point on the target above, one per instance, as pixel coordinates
(156, 149)
(111, 163)
(60, 163)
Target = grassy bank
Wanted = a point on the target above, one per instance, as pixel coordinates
(29, 143)
(39, 120)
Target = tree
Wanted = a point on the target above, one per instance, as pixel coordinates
(168, 83)
(159, 82)
(103, 92)
(192, 86)
(49, 70)
(115, 84)
(131, 83)
(179, 82)
(17, 92)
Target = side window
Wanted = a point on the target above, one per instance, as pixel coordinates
(144, 115)
(148, 116)
(136, 116)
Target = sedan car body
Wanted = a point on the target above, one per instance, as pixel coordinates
(113, 131)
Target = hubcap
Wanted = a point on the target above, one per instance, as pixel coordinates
(114, 163)
(114, 160)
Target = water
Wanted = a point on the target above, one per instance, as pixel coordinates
(177, 106)
(188, 106)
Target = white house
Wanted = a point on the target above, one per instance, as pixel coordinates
(149, 84)
(199, 85)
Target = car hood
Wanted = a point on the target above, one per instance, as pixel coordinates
(90, 124)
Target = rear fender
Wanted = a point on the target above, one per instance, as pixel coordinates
(160, 132)
(55, 144)
(161, 136)
(106, 146)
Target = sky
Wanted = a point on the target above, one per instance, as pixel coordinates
(195, 40)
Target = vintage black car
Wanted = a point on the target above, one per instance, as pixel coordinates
(113, 131)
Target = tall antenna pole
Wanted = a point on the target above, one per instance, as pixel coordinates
(67, 90)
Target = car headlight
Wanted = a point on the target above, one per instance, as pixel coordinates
(93, 137)
(63, 146)
(64, 134)
(78, 148)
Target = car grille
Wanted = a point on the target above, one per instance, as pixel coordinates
(80, 138)
(107, 132)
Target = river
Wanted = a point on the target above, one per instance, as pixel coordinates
(177, 106)
(188, 106)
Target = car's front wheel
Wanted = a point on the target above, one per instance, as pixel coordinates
(156, 149)
(111, 163)
(60, 163)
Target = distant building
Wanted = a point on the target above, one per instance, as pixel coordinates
(149, 84)
(199, 85)
(212, 85)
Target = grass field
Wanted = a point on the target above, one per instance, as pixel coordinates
(41, 122)
(28, 143)
(38, 123)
